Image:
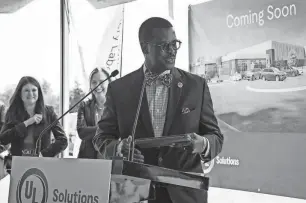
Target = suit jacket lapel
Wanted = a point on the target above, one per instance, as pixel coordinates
(174, 99)
(144, 116)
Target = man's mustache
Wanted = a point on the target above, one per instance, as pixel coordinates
(171, 56)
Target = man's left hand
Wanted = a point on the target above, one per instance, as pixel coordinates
(197, 143)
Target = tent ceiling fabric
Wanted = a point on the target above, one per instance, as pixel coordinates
(106, 3)
(10, 6)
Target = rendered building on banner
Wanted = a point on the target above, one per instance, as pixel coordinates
(262, 55)
(268, 53)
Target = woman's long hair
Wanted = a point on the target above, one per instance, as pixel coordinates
(93, 72)
(16, 110)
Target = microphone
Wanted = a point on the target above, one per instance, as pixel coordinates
(38, 141)
(131, 154)
(113, 74)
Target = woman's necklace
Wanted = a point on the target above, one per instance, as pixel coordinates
(98, 113)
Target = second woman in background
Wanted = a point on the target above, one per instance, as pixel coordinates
(89, 113)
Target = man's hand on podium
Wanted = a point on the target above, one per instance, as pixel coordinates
(197, 143)
(124, 148)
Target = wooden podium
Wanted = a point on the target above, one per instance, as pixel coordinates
(53, 180)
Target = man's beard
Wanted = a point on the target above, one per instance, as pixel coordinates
(160, 67)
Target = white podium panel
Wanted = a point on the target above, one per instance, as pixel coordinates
(50, 180)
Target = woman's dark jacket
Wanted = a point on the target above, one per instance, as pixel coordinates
(86, 128)
(14, 132)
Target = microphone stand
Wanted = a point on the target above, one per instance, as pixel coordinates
(38, 141)
(131, 153)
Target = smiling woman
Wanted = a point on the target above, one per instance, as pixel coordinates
(26, 118)
(30, 45)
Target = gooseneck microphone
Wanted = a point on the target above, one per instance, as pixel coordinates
(132, 147)
(38, 141)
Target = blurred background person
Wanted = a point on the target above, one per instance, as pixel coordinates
(2, 113)
(89, 113)
(2, 118)
(26, 117)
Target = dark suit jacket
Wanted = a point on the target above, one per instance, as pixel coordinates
(14, 133)
(120, 108)
(86, 127)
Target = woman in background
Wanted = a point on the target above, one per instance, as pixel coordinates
(2, 118)
(2, 113)
(89, 113)
(26, 117)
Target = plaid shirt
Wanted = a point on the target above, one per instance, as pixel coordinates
(157, 96)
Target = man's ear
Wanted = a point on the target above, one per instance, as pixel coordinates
(144, 47)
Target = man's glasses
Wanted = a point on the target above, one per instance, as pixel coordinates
(175, 45)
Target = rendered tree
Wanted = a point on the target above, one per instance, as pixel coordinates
(292, 59)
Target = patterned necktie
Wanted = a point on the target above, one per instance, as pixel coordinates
(164, 78)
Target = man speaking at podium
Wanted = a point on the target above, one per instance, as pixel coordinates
(174, 102)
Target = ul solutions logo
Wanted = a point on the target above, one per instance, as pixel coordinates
(32, 187)
(207, 167)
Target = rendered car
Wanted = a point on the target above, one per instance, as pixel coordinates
(299, 69)
(236, 77)
(273, 74)
(254, 74)
(290, 72)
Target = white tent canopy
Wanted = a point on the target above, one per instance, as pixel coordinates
(10, 6)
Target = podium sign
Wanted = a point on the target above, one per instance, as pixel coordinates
(50, 180)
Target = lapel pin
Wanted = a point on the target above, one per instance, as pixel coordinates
(180, 85)
(185, 110)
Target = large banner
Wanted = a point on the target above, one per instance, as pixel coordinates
(252, 54)
(110, 48)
